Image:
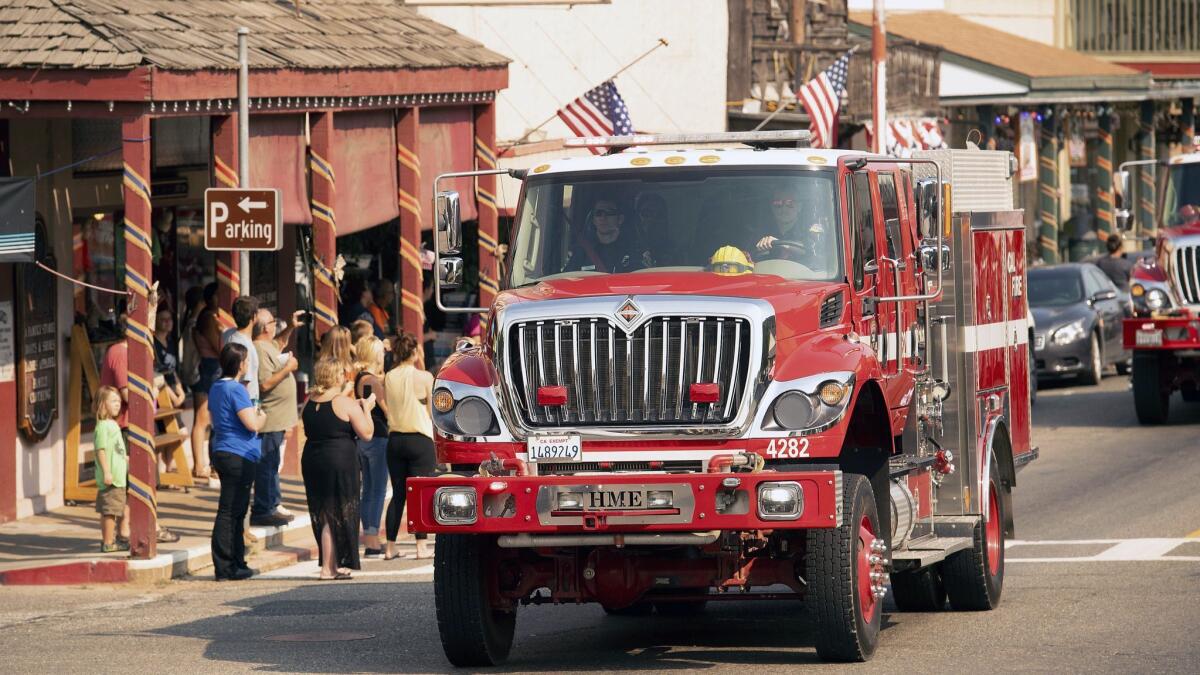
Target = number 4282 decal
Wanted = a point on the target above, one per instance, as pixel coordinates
(787, 448)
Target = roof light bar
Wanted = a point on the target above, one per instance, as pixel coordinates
(756, 138)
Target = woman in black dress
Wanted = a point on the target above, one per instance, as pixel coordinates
(332, 421)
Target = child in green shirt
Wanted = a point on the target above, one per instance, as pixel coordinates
(112, 469)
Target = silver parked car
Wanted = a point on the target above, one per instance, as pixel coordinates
(1078, 313)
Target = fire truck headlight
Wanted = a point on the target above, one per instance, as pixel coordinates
(793, 410)
(783, 500)
(454, 505)
(1156, 298)
(1072, 332)
(473, 416)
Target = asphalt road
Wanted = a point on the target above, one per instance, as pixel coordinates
(1102, 579)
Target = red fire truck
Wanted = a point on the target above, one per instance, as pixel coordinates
(722, 370)
(1164, 332)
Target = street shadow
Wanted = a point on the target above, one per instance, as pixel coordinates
(1110, 405)
(401, 620)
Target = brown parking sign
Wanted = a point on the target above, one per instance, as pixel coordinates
(242, 220)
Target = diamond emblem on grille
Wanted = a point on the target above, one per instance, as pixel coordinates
(629, 312)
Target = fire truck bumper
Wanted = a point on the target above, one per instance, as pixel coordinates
(617, 504)
(1168, 333)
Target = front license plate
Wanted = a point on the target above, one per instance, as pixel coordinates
(564, 448)
(1039, 343)
(1149, 338)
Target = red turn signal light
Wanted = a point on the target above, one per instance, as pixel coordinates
(704, 392)
(552, 395)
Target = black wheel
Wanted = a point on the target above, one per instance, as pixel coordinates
(1151, 399)
(473, 632)
(636, 609)
(919, 590)
(974, 578)
(1095, 363)
(844, 569)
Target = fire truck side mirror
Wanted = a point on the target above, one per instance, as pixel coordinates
(929, 256)
(927, 196)
(450, 272)
(449, 223)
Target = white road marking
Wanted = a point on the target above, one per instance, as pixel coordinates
(1118, 550)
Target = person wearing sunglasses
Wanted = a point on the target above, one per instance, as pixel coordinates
(607, 245)
(794, 236)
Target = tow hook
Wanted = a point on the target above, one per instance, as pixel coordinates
(496, 466)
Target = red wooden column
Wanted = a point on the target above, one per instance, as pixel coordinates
(320, 162)
(412, 307)
(225, 162)
(485, 198)
(143, 466)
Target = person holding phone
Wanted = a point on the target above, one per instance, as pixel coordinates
(372, 453)
(277, 392)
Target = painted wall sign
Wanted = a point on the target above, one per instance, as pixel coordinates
(37, 345)
(8, 368)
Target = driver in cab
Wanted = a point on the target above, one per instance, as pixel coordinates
(607, 245)
(794, 236)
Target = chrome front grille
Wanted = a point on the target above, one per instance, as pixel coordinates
(1185, 267)
(641, 377)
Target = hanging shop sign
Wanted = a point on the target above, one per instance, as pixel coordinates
(238, 219)
(1027, 153)
(37, 344)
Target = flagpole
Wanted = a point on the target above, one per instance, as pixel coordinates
(662, 42)
(879, 76)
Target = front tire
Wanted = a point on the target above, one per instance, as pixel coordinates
(1095, 370)
(474, 633)
(1151, 400)
(838, 567)
(974, 578)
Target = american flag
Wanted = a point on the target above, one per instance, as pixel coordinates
(822, 96)
(599, 112)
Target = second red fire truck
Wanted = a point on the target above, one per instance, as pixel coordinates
(722, 370)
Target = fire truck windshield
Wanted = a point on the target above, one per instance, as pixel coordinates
(1181, 200)
(779, 221)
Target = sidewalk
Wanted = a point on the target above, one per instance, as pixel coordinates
(63, 546)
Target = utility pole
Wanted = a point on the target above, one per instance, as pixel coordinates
(879, 78)
(243, 140)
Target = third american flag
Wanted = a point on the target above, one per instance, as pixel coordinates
(822, 96)
(599, 112)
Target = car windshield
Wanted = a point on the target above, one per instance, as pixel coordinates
(1181, 199)
(677, 219)
(1055, 288)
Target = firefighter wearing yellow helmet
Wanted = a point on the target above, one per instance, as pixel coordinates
(730, 261)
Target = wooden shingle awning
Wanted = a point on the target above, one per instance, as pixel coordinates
(181, 50)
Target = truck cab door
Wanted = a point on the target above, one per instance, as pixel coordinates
(863, 264)
(896, 269)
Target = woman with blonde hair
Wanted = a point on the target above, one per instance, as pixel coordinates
(410, 451)
(372, 454)
(332, 422)
(336, 346)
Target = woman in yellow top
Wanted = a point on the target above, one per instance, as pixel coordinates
(410, 433)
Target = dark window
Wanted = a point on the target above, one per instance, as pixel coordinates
(891, 214)
(863, 222)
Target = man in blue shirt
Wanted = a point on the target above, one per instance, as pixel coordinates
(235, 450)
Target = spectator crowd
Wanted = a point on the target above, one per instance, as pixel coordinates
(365, 421)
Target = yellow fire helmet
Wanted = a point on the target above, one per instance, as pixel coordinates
(730, 261)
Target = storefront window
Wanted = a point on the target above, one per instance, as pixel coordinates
(99, 253)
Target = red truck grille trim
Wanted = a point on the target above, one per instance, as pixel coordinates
(640, 377)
